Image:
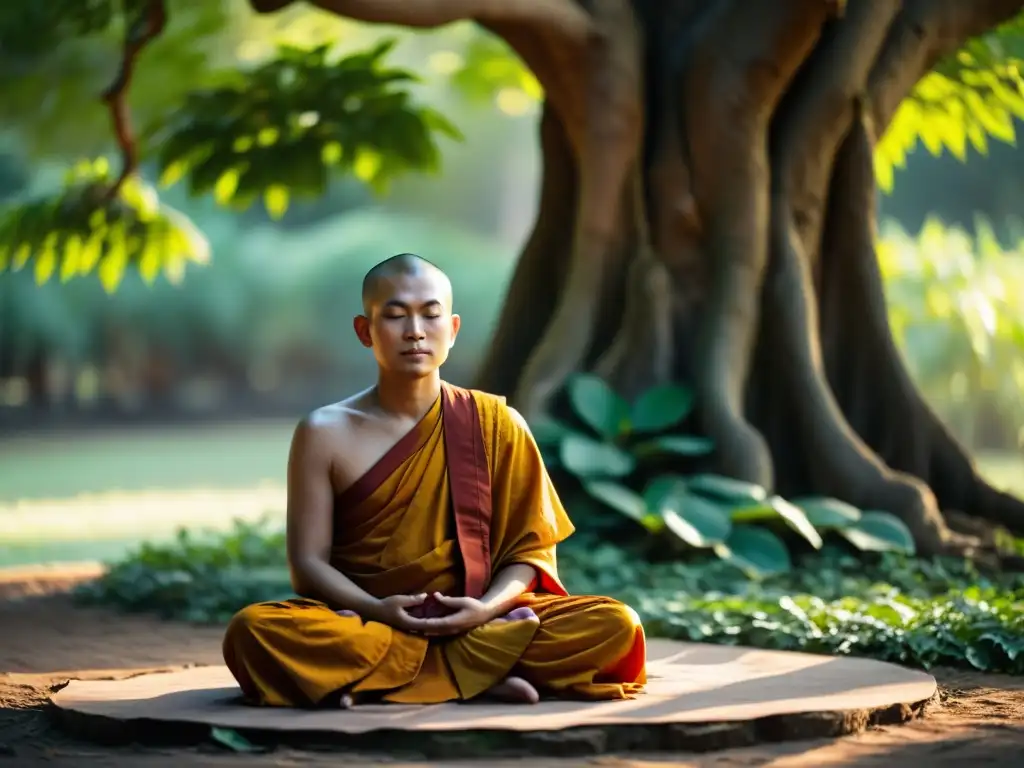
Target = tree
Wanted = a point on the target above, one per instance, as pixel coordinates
(707, 208)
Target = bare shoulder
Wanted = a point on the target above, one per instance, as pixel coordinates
(328, 427)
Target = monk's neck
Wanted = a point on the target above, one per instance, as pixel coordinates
(408, 397)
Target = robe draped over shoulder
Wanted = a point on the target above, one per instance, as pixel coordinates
(461, 496)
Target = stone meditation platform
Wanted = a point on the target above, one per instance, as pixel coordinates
(700, 697)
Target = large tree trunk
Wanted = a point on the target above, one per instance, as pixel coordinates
(707, 216)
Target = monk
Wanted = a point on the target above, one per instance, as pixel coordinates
(421, 530)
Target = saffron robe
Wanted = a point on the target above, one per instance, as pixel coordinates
(462, 496)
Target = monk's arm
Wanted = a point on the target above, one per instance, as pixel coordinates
(310, 526)
(508, 584)
(528, 520)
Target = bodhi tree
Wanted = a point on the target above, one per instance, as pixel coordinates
(706, 211)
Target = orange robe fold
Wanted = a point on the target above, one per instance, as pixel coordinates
(460, 497)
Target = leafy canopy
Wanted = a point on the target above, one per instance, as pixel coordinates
(967, 97)
(232, 104)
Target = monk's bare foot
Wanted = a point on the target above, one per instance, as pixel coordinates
(515, 690)
(346, 701)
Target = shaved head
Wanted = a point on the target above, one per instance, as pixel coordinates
(407, 316)
(403, 265)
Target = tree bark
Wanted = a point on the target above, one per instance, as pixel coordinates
(707, 216)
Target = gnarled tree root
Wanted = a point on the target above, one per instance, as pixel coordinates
(865, 369)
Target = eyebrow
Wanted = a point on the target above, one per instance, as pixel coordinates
(403, 305)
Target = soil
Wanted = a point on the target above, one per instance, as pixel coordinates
(46, 639)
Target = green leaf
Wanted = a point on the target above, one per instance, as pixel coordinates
(825, 513)
(778, 507)
(585, 457)
(599, 406)
(275, 198)
(82, 228)
(880, 532)
(726, 489)
(979, 656)
(46, 265)
(226, 186)
(755, 551)
(618, 497)
(681, 445)
(661, 407)
(549, 431)
(661, 487)
(232, 739)
(698, 522)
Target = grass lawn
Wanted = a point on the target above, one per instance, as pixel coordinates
(92, 496)
(54, 466)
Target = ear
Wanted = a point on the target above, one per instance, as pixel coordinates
(456, 324)
(361, 325)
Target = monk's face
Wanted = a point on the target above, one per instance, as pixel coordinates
(410, 326)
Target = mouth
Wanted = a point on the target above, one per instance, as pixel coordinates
(416, 353)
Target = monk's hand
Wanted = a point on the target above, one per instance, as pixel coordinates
(394, 611)
(467, 613)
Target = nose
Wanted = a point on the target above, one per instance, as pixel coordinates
(414, 329)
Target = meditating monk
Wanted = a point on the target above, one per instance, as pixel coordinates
(421, 535)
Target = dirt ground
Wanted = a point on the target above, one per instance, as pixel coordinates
(45, 639)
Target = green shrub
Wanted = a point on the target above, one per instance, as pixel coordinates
(617, 455)
(920, 613)
(886, 606)
(198, 577)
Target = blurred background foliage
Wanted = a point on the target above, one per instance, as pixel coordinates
(282, 155)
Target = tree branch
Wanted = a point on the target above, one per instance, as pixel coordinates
(138, 34)
(816, 114)
(925, 32)
(563, 16)
(608, 146)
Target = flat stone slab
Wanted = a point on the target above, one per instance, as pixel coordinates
(700, 697)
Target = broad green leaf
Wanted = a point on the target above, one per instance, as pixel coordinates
(660, 487)
(682, 445)
(548, 431)
(661, 407)
(698, 522)
(598, 406)
(1012, 646)
(825, 513)
(778, 507)
(880, 532)
(979, 656)
(755, 551)
(232, 739)
(618, 497)
(797, 519)
(585, 457)
(726, 489)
